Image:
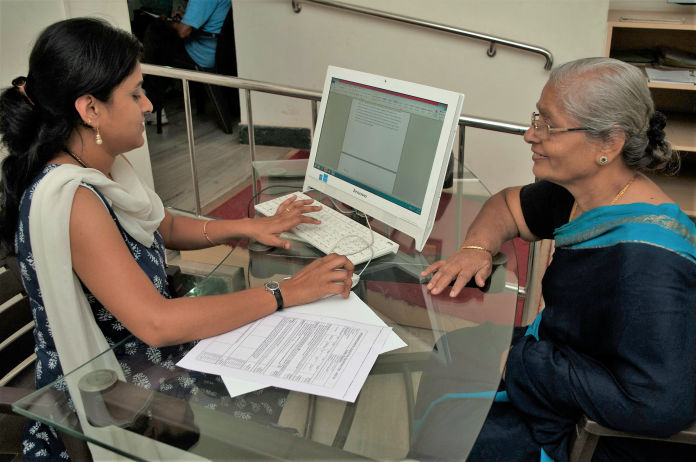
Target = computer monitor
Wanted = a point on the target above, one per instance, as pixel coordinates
(382, 146)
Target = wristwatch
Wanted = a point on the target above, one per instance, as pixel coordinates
(274, 288)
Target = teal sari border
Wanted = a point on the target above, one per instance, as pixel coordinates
(664, 226)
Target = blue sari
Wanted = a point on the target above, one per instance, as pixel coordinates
(617, 339)
(616, 342)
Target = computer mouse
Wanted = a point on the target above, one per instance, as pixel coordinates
(354, 280)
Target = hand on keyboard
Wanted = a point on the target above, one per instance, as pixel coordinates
(289, 214)
(337, 232)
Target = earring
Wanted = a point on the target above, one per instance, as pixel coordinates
(602, 160)
(98, 137)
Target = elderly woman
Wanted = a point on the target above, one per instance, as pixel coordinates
(617, 339)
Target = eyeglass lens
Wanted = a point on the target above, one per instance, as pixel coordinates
(541, 128)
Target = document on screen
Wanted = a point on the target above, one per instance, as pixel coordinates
(373, 143)
(302, 352)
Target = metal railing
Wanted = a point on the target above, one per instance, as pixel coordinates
(493, 41)
(248, 86)
(313, 96)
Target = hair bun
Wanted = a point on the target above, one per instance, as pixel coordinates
(656, 131)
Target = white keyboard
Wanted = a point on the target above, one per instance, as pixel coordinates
(337, 233)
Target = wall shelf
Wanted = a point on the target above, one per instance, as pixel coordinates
(638, 33)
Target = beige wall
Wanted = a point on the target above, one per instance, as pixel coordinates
(275, 44)
(22, 20)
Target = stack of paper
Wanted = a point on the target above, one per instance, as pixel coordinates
(671, 76)
(325, 348)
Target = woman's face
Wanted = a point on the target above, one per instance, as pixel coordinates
(563, 157)
(121, 122)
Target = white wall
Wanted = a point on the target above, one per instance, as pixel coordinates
(21, 21)
(275, 44)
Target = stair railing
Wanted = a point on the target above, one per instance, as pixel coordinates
(493, 41)
(312, 96)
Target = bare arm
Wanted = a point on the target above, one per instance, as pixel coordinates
(183, 233)
(181, 29)
(104, 264)
(499, 220)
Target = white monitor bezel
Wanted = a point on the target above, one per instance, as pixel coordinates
(411, 223)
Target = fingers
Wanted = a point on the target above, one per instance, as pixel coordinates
(432, 268)
(294, 205)
(306, 219)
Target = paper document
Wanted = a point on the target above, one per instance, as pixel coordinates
(310, 353)
(671, 76)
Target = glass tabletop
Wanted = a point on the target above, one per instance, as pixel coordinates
(426, 400)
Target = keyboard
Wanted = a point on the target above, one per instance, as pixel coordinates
(337, 233)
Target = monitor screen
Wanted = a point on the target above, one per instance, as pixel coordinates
(382, 146)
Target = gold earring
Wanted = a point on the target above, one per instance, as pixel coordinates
(98, 137)
(603, 160)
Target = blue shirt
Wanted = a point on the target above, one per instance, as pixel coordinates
(206, 16)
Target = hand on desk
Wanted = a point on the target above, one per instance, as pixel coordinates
(319, 279)
(289, 214)
(460, 267)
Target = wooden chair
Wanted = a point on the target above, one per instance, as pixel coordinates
(17, 364)
(17, 353)
(588, 432)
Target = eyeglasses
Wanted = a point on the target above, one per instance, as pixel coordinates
(542, 130)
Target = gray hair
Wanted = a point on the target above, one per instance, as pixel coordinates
(610, 96)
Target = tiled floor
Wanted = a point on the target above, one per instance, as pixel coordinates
(223, 166)
(223, 163)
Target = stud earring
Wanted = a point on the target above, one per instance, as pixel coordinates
(98, 137)
(603, 160)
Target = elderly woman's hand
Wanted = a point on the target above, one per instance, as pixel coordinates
(288, 215)
(462, 266)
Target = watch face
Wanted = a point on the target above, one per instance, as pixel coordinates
(272, 285)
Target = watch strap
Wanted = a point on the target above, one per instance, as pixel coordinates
(278, 296)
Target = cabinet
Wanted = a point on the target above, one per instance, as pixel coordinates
(633, 32)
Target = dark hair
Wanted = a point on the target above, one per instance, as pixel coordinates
(610, 96)
(70, 59)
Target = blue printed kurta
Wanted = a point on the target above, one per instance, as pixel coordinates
(41, 441)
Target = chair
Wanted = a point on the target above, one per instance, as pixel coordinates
(588, 432)
(17, 365)
(17, 353)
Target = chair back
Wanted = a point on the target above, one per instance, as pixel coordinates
(16, 323)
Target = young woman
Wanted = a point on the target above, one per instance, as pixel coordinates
(90, 237)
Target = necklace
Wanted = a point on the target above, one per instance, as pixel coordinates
(74, 156)
(613, 201)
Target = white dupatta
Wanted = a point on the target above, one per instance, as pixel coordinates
(76, 335)
(139, 210)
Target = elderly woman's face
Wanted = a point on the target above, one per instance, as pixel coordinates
(563, 157)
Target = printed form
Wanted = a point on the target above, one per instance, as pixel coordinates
(310, 353)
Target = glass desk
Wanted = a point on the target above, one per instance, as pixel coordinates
(411, 405)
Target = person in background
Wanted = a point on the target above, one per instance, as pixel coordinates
(90, 236)
(186, 40)
(617, 338)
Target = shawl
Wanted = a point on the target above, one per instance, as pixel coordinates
(617, 339)
(75, 332)
(78, 339)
